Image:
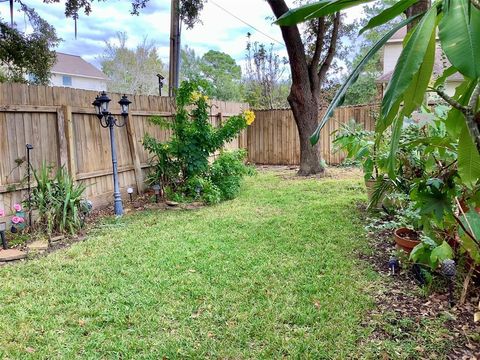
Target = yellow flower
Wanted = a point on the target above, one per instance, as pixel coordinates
(197, 96)
(249, 116)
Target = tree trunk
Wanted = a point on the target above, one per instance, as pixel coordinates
(306, 117)
(302, 94)
(418, 8)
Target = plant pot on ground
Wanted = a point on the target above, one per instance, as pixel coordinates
(406, 239)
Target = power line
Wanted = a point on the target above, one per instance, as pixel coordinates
(246, 23)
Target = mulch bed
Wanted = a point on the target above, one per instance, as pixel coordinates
(401, 296)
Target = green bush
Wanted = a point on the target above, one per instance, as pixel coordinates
(181, 165)
(58, 201)
(227, 171)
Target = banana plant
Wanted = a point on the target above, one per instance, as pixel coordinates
(458, 26)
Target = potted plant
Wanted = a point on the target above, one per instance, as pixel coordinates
(409, 230)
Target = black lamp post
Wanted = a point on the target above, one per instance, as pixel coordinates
(29, 148)
(108, 121)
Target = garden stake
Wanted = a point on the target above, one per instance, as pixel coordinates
(2, 235)
(29, 148)
(449, 270)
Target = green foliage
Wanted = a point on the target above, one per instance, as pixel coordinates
(58, 201)
(429, 253)
(227, 171)
(358, 145)
(223, 74)
(132, 71)
(27, 57)
(181, 164)
(459, 32)
(265, 86)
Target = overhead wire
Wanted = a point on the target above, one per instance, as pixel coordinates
(246, 23)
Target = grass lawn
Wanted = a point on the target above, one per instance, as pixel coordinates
(271, 274)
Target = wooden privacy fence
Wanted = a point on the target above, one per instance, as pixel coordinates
(62, 126)
(273, 138)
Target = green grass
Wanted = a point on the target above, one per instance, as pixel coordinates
(271, 274)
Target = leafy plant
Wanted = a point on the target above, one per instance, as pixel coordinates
(227, 171)
(58, 200)
(359, 145)
(181, 165)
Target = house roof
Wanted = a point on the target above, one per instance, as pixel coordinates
(75, 65)
(399, 35)
(438, 68)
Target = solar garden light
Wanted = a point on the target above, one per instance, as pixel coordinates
(393, 265)
(156, 188)
(3, 227)
(449, 270)
(160, 83)
(130, 192)
(108, 121)
(29, 166)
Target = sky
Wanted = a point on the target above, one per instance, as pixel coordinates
(219, 30)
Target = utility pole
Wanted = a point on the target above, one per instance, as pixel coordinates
(174, 48)
(11, 13)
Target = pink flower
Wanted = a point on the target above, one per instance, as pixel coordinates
(2, 213)
(17, 207)
(17, 220)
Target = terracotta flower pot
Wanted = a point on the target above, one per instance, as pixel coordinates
(406, 239)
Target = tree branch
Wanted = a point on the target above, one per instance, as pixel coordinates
(293, 41)
(314, 62)
(331, 49)
(451, 101)
(470, 116)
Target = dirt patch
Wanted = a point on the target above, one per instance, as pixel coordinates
(334, 172)
(401, 302)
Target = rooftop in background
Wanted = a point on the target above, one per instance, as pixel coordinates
(399, 35)
(74, 65)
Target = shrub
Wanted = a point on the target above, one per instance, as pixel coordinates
(181, 165)
(58, 201)
(227, 172)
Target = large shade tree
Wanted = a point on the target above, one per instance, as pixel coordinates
(311, 54)
(457, 24)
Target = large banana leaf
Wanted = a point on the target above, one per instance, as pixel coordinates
(415, 94)
(388, 14)
(468, 159)
(395, 140)
(410, 60)
(340, 95)
(459, 32)
(315, 10)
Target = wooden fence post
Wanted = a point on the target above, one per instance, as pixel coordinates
(68, 148)
(62, 149)
(137, 166)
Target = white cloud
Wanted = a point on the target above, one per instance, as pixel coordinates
(220, 30)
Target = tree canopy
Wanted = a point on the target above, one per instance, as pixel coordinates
(27, 57)
(132, 71)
